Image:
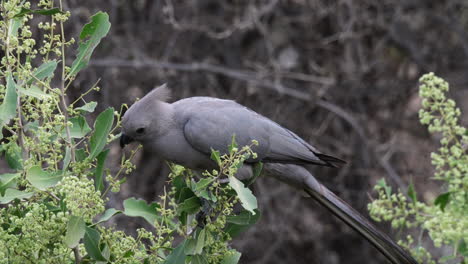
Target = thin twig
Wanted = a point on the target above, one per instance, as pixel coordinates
(76, 252)
(249, 76)
(253, 14)
(62, 89)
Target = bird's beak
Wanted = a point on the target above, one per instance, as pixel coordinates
(124, 140)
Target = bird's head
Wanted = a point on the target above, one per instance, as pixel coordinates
(146, 118)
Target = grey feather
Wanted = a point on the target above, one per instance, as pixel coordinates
(212, 122)
(300, 178)
(185, 131)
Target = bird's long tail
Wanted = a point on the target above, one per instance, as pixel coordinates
(300, 177)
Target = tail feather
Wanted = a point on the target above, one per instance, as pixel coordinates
(330, 160)
(342, 210)
(301, 178)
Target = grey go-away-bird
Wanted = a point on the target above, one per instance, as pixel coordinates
(184, 132)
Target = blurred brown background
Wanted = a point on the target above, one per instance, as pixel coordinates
(341, 74)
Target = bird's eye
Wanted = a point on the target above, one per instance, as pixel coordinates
(140, 131)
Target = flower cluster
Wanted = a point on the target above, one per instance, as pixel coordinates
(31, 233)
(446, 220)
(53, 198)
(81, 197)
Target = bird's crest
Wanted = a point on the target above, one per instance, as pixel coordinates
(161, 93)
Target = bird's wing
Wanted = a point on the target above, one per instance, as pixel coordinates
(212, 123)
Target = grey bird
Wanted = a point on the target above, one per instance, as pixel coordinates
(185, 131)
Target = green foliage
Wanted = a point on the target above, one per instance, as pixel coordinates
(94, 32)
(446, 218)
(8, 106)
(201, 209)
(248, 200)
(53, 195)
(134, 207)
(46, 70)
(75, 231)
(103, 126)
(42, 179)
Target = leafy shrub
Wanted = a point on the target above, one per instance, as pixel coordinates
(54, 196)
(446, 219)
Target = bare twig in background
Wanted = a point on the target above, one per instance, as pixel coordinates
(247, 76)
(252, 14)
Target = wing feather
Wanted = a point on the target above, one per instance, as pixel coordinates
(212, 123)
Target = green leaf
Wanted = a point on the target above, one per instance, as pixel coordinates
(412, 193)
(105, 253)
(102, 127)
(79, 128)
(215, 156)
(177, 255)
(237, 224)
(442, 200)
(42, 179)
(248, 200)
(202, 184)
(13, 156)
(134, 207)
(34, 91)
(46, 70)
(63, 205)
(463, 247)
(184, 194)
(199, 259)
(183, 218)
(231, 258)
(194, 246)
(447, 258)
(94, 31)
(99, 172)
(257, 170)
(208, 195)
(8, 180)
(190, 245)
(8, 107)
(240, 164)
(388, 190)
(122, 181)
(88, 107)
(200, 242)
(190, 205)
(80, 154)
(92, 241)
(108, 214)
(233, 144)
(12, 194)
(51, 207)
(128, 254)
(31, 126)
(14, 25)
(46, 12)
(243, 218)
(66, 159)
(75, 231)
(179, 184)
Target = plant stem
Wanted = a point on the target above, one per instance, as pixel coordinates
(62, 88)
(76, 252)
